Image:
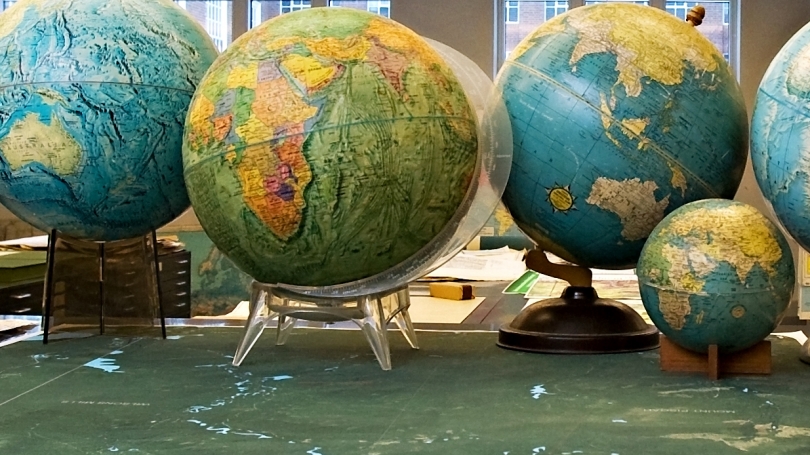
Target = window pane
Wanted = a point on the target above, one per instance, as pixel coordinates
(215, 16)
(526, 15)
(715, 25)
(261, 11)
(616, 1)
(6, 3)
(381, 7)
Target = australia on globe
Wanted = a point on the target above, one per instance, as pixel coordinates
(620, 114)
(93, 100)
(326, 146)
(716, 272)
(780, 136)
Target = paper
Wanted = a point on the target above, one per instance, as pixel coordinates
(37, 242)
(433, 310)
(503, 264)
(14, 330)
(7, 325)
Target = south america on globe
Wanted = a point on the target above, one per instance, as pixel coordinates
(93, 99)
(716, 272)
(620, 114)
(326, 146)
(780, 136)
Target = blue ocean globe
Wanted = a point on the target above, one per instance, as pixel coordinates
(93, 101)
(620, 114)
(716, 272)
(780, 136)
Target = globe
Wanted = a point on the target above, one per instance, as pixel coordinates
(716, 272)
(779, 136)
(94, 100)
(326, 146)
(620, 114)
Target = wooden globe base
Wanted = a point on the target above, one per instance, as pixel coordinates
(804, 355)
(578, 322)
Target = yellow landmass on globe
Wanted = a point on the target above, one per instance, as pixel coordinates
(199, 120)
(674, 307)
(276, 104)
(504, 219)
(633, 201)
(632, 128)
(678, 179)
(31, 140)
(635, 126)
(351, 48)
(253, 131)
(638, 46)
(243, 76)
(687, 269)
(309, 71)
(403, 41)
(740, 237)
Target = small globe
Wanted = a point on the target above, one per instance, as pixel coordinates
(780, 136)
(620, 114)
(716, 272)
(94, 98)
(326, 146)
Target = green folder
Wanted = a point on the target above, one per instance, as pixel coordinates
(18, 266)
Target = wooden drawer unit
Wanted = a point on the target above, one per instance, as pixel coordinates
(22, 299)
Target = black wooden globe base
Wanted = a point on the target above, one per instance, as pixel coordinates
(578, 322)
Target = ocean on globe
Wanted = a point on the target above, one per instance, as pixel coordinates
(716, 272)
(780, 136)
(326, 146)
(620, 114)
(93, 100)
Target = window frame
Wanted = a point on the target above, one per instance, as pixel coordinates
(375, 6)
(293, 5)
(511, 5)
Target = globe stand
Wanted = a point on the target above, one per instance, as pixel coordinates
(578, 322)
(371, 313)
(754, 360)
(122, 284)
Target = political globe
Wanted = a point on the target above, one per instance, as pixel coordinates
(326, 146)
(93, 100)
(716, 272)
(620, 114)
(780, 136)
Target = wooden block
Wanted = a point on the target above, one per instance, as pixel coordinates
(754, 360)
(452, 291)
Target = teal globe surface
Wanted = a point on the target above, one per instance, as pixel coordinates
(93, 99)
(716, 272)
(620, 114)
(780, 136)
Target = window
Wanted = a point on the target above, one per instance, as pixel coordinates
(255, 13)
(512, 12)
(216, 22)
(555, 8)
(620, 1)
(7, 3)
(381, 7)
(181, 3)
(288, 6)
(715, 25)
(680, 9)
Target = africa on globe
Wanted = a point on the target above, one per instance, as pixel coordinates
(326, 146)
(94, 97)
(716, 272)
(620, 114)
(780, 132)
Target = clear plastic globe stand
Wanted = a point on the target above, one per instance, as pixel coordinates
(374, 302)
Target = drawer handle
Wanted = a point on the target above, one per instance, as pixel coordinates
(181, 294)
(180, 283)
(21, 310)
(184, 261)
(21, 296)
(181, 272)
